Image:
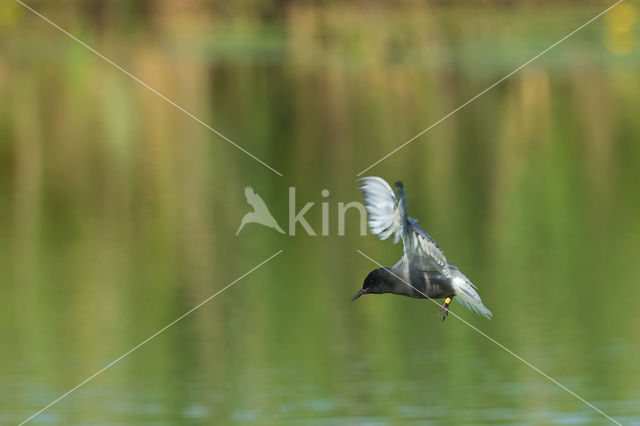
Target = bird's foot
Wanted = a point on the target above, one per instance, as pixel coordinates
(444, 309)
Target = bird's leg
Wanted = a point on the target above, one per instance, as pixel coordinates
(444, 309)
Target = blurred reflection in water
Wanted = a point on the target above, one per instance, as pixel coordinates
(118, 214)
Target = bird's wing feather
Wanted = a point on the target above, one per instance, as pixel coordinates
(422, 250)
(385, 218)
(388, 216)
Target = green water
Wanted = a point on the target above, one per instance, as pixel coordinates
(118, 214)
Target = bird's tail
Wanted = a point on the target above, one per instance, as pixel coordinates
(468, 296)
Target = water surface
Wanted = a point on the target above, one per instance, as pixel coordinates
(118, 213)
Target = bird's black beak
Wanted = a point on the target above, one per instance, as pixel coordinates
(358, 294)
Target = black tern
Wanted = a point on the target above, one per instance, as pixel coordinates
(423, 272)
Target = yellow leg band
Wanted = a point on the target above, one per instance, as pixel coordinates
(447, 300)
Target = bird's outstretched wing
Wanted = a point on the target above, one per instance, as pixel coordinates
(388, 216)
(385, 218)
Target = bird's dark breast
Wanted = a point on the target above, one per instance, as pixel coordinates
(430, 287)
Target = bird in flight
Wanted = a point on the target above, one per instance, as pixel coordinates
(423, 272)
(260, 213)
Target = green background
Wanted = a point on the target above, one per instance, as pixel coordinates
(118, 212)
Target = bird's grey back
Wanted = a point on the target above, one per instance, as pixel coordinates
(419, 283)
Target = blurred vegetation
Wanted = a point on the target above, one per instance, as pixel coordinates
(118, 212)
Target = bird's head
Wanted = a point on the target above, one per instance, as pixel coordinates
(377, 282)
